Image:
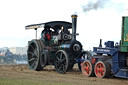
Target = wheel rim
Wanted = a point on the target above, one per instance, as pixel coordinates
(33, 55)
(86, 68)
(100, 70)
(61, 61)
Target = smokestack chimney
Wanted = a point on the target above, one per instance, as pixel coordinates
(74, 22)
(100, 45)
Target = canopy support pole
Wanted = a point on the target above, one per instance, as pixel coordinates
(36, 32)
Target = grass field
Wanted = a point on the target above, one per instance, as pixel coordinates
(21, 75)
(14, 81)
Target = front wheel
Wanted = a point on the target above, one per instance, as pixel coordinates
(61, 61)
(88, 68)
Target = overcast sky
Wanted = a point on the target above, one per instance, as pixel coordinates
(97, 19)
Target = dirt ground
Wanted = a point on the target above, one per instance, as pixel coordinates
(49, 74)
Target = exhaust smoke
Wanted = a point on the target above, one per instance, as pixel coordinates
(94, 5)
(118, 6)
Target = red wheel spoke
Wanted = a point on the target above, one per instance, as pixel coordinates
(87, 68)
(97, 68)
(100, 65)
(102, 73)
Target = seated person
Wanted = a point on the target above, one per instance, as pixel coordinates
(46, 33)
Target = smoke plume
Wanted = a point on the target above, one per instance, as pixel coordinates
(94, 5)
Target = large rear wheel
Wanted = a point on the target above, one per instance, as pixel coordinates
(34, 54)
(102, 69)
(43, 55)
(61, 61)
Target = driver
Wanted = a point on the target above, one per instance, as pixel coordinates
(47, 33)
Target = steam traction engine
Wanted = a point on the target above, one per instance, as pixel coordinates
(57, 46)
(110, 60)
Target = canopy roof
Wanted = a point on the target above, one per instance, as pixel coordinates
(51, 24)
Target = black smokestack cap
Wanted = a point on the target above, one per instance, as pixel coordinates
(74, 23)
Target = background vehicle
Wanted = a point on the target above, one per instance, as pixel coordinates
(111, 60)
(7, 57)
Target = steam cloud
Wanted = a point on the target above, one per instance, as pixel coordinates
(95, 5)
